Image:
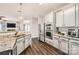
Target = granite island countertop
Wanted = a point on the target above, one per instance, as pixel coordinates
(7, 43)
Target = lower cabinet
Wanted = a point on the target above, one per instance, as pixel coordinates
(74, 47)
(56, 42)
(61, 43)
(27, 41)
(67, 45)
(49, 41)
(64, 45)
(20, 45)
(23, 43)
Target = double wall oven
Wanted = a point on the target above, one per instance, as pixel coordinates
(49, 31)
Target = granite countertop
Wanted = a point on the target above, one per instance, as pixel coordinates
(7, 43)
(66, 36)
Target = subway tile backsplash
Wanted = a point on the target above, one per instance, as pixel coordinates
(65, 29)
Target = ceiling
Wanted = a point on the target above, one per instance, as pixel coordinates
(29, 9)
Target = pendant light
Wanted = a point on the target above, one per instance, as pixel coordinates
(20, 12)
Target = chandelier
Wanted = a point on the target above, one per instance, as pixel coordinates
(20, 12)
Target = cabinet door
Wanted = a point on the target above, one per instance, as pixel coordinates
(77, 14)
(64, 45)
(69, 16)
(59, 19)
(49, 18)
(27, 41)
(20, 45)
(74, 50)
(56, 42)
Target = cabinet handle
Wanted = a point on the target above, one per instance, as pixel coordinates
(64, 40)
(75, 43)
(56, 38)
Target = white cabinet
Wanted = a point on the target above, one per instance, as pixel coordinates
(59, 19)
(27, 41)
(49, 18)
(64, 45)
(20, 45)
(49, 41)
(77, 14)
(74, 47)
(69, 16)
(61, 43)
(56, 42)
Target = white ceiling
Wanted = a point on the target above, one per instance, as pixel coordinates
(29, 9)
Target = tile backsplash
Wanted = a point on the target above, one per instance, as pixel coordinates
(65, 29)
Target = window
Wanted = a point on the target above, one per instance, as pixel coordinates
(27, 27)
(0, 27)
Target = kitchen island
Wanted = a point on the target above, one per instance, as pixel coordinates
(12, 44)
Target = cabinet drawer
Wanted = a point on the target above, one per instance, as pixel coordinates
(56, 43)
(64, 46)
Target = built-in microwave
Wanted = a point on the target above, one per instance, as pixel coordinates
(73, 32)
(48, 27)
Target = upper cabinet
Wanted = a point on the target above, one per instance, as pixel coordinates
(69, 16)
(77, 15)
(59, 19)
(49, 18)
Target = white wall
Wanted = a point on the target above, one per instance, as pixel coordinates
(34, 27)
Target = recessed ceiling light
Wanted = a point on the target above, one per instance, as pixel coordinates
(41, 3)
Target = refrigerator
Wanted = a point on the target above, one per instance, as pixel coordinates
(41, 32)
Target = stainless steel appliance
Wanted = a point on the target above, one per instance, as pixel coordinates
(73, 32)
(48, 27)
(42, 32)
(48, 31)
(49, 34)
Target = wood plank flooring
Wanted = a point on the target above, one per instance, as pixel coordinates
(41, 48)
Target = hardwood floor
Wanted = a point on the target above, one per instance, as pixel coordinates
(41, 48)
